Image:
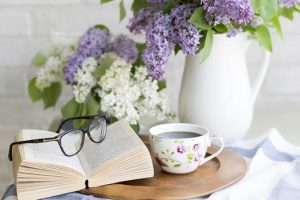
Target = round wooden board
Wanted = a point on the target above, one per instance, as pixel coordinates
(220, 172)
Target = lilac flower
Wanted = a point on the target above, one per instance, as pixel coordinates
(166, 30)
(73, 64)
(225, 11)
(185, 33)
(125, 48)
(93, 42)
(287, 3)
(155, 63)
(233, 32)
(159, 45)
(137, 24)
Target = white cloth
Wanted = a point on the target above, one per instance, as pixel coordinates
(273, 172)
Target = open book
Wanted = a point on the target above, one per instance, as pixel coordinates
(42, 170)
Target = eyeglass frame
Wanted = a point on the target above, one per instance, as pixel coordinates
(57, 138)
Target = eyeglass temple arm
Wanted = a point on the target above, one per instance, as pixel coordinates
(41, 140)
(72, 118)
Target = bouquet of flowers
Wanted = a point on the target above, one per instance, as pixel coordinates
(188, 25)
(104, 73)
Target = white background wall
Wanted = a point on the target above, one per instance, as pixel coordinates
(25, 28)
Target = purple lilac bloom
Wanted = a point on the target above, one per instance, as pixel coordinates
(163, 32)
(137, 24)
(287, 3)
(125, 48)
(225, 11)
(73, 64)
(233, 32)
(93, 42)
(185, 33)
(159, 45)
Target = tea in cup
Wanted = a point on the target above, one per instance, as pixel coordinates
(179, 148)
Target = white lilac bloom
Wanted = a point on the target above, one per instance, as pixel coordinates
(128, 96)
(117, 92)
(50, 73)
(84, 79)
(64, 44)
(153, 103)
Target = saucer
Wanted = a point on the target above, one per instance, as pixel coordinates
(218, 173)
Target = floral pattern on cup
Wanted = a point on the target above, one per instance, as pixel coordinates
(179, 148)
(168, 159)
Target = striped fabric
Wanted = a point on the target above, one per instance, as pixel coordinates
(274, 173)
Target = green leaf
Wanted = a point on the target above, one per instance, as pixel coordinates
(287, 13)
(105, 64)
(139, 61)
(34, 92)
(297, 7)
(177, 165)
(264, 38)
(135, 127)
(250, 29)
(277, 26)
(113, 119)
(198, 20)
(140, 47)
(207, 46)
(267, 9)
(122, 10)
(168, 7)
(70, 109)
(82, 111)
(221, 28)
(138, 5)
(39, 60)
(51, 94)
(105, 1)
(162, 84)
(102, 27)
(177, 49)
(93, 106)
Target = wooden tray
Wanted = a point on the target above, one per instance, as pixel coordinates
(220, 172)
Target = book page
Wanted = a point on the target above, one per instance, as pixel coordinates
(48, 152)
(119, 139)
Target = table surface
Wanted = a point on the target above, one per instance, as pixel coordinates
(287, 122)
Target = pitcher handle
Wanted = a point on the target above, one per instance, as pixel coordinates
(264, 65)
(208, 158)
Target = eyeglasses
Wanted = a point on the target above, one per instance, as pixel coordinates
(96, 131)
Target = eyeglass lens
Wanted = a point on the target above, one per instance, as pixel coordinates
(97, 129)
(72, 142)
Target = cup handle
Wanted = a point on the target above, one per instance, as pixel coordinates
(216, 153)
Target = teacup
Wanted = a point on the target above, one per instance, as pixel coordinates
(179, 148)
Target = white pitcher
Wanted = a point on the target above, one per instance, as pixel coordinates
(217, 93)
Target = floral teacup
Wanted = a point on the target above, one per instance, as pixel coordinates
(179, 148)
